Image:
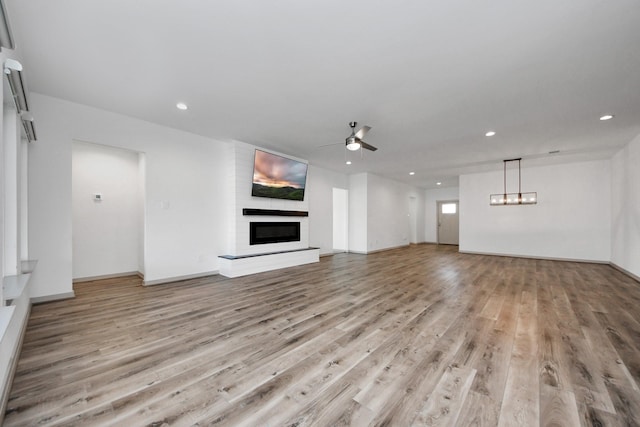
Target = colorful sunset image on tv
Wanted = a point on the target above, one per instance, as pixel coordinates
(278, 177)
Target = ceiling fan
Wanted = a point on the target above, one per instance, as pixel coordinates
(354, 142)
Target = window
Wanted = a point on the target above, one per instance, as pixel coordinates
(449, 208)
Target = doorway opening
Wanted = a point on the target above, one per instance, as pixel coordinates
(108, 211)
(340, 220)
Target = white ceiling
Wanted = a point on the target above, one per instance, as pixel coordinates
(429, 77)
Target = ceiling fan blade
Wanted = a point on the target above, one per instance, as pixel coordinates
(328, 145)
(367, 146)
(362, 132)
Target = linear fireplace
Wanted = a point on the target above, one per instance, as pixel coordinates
(273, 232)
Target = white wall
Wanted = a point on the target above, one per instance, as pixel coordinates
(184, 222)
(320, 185)
(432, 197)
(572, 219)
(228, 200)
(358, 215)
(625, 202)
(105, 232)
(141, 211)
(340, 216)
(379, 213)
(388, 214)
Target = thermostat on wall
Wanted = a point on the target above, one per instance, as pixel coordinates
(97, 197)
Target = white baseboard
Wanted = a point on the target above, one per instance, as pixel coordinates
(378, 250)
(589, 261)
(107, 276)
(56, 297)
(179, 278)
(627, 272)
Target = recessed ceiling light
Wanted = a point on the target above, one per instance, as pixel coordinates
(490, 133)
(438, 183)
(348, 162)
(412, 173)
(606, 117)
(181, 106)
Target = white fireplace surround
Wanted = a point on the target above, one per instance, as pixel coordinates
(243, 258)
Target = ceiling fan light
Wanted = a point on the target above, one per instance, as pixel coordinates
(352, 144)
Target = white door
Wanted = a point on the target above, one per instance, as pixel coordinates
(448, 218)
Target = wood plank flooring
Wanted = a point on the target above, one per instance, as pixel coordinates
(419, 336)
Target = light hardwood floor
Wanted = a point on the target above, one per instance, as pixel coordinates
(414, 336)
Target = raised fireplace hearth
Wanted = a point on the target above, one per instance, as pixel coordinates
(273, 232)
(242, 265)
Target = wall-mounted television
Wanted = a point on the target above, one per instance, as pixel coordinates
(278, 177)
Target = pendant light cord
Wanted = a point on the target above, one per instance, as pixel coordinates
(519, 180)
(505, 178)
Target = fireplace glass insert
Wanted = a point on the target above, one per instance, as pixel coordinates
(273, 232)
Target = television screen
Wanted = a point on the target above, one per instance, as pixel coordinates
(278, 177)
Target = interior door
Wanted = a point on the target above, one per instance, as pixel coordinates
(448, 219)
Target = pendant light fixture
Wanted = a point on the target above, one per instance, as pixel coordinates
(519, 198)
